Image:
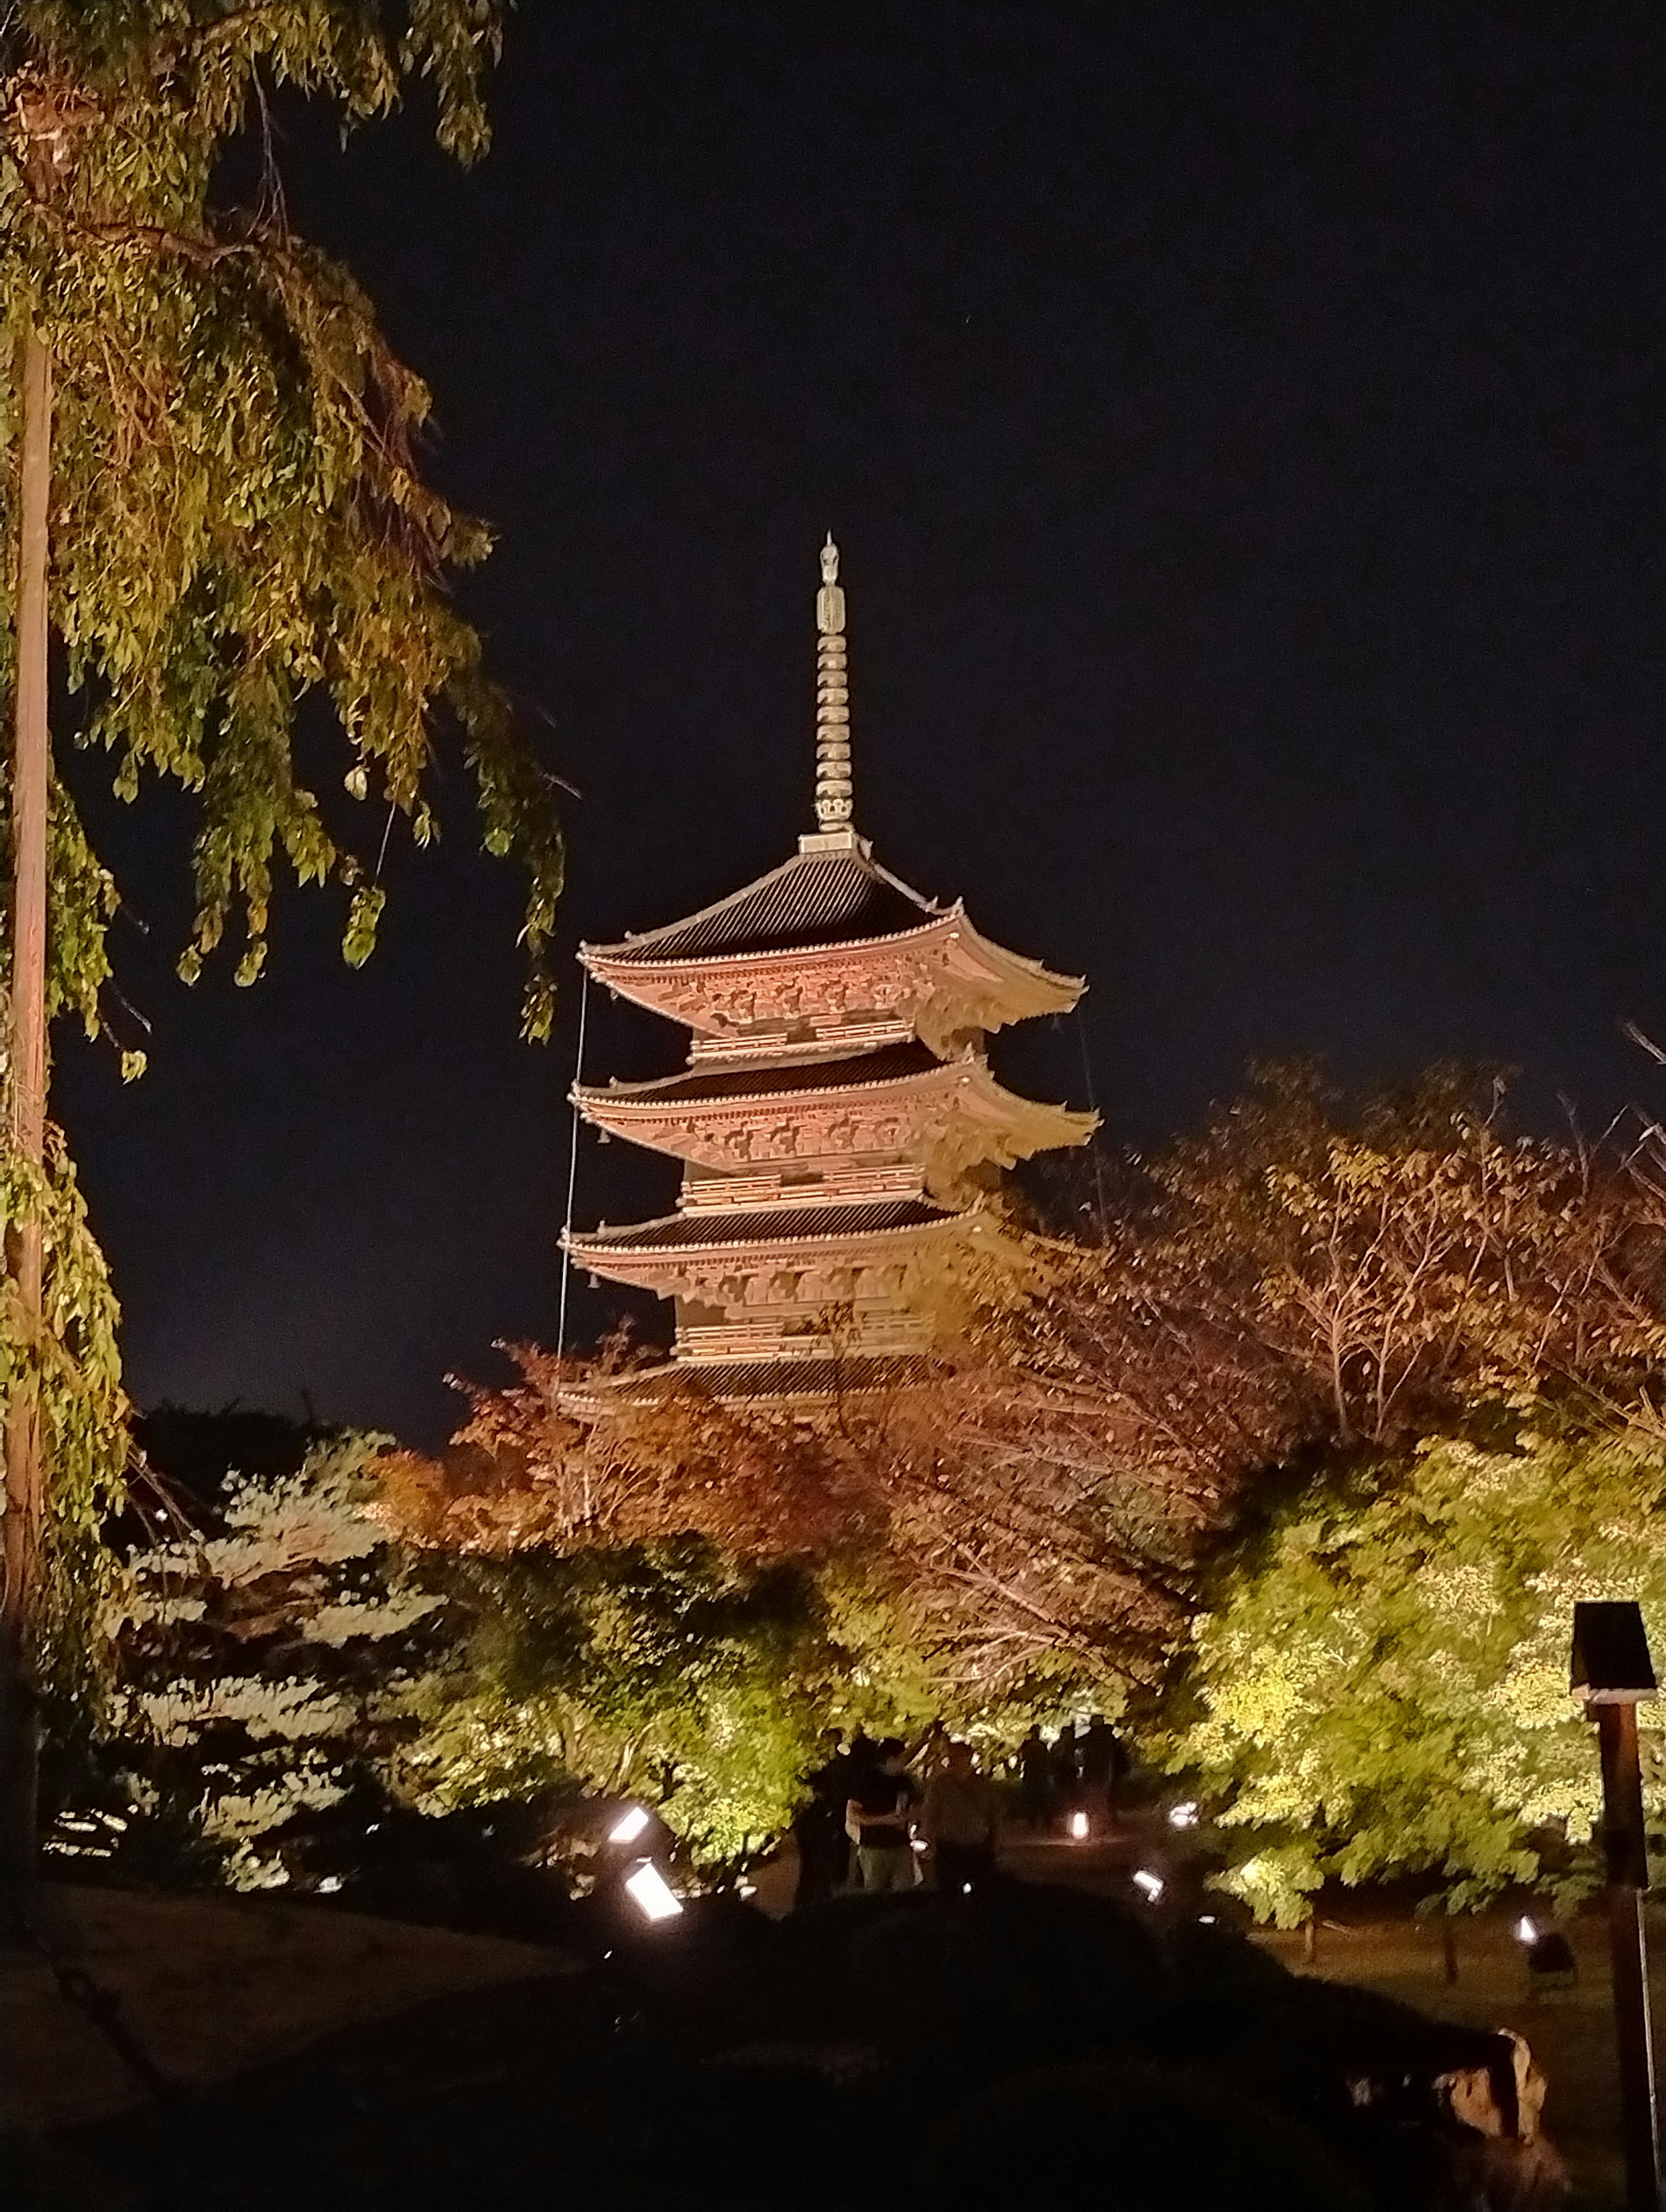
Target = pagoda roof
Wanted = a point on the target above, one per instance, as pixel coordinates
(786, 1223)
(750, 1380)
(818, 897)
(762, 1078)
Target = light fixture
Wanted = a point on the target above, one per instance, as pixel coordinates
(1525, 1931)
(1078, 1827)
(1182, 1816)
(628, 1825)
(1150, 1886)
(652, 1895)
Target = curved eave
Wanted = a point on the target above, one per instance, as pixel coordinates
(635, 1113)
(1010, 986)
(627, 1263)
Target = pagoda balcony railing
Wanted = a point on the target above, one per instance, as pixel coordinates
(729, 1193)
(852, 1036)
(766, 1340)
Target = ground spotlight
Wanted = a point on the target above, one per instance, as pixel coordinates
(628, 1825)
(1078, 1827)
(1182, 1816)
(652, 1895)
(1150, 1886)
(1551, 1964)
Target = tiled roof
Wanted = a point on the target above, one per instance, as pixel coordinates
(772, 1225)
(814, 898)
(798, 1378)
(754, 1379)
(768, 1080)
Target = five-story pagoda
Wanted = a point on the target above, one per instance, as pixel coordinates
(837, 1119)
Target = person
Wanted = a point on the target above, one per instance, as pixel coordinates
(1104, 1767)
(880, 1814)
(819, 1828)
(1067, 1776)
(1035, 1779)
(962, 1821)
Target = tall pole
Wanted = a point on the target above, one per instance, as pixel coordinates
(1625, 1847)
(25, 1512)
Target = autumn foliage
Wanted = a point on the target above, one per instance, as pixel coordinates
(1301, 1277)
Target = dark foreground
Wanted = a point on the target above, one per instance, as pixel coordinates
(1037, 2045)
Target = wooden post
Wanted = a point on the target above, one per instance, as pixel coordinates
(1625, 1846)
(24, 1511)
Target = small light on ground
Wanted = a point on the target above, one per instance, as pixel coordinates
(1206, 1919)
(330, 1884)
(628, 1825)
(1078, 1827)
(1150, 1886)
(652, 1895)
(1182, 1816)
(745, 1889)
(919, 1843)
(1526, 1932)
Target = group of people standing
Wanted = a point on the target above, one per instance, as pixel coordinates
(871, 1802)
(1075, 1773)
(874, 1809)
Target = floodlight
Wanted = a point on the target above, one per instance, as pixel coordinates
(1151, 1886)
(1078, 1827)
(1525, 1931)
(652, 1895)
(628, 1825)
(1182, 1816)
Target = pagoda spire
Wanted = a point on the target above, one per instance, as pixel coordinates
(833, 806)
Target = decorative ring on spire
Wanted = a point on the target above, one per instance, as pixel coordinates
(834, 793)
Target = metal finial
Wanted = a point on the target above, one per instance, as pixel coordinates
(833, 785)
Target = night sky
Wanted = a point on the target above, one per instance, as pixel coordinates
(1242, 425)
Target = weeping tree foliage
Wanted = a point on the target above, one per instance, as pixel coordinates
(237, 524)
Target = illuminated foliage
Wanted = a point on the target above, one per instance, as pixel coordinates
(238, 522)
(659, 1669)
(270, 1649)
(237, 517)
(1382, 1684)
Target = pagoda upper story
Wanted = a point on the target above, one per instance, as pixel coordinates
(838, 1120)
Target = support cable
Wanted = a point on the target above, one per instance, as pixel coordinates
(572, 1172)
(1093, 1103)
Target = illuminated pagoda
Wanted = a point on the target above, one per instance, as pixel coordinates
(838, 1122)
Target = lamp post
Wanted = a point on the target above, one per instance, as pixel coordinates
(1612, 1674)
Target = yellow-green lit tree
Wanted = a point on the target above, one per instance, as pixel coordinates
(1382, 1686)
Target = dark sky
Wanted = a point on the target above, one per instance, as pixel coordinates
(1242, 425)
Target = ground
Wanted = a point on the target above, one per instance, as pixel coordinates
(212, 1986)
(215, 1987)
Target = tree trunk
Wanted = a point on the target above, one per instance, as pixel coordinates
(25, 1511)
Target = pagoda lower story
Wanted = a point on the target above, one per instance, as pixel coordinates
(841, 1130)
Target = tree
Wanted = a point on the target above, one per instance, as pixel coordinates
(271, 1646)
(1380, 1683)
(660, 1669)
(216, 507)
